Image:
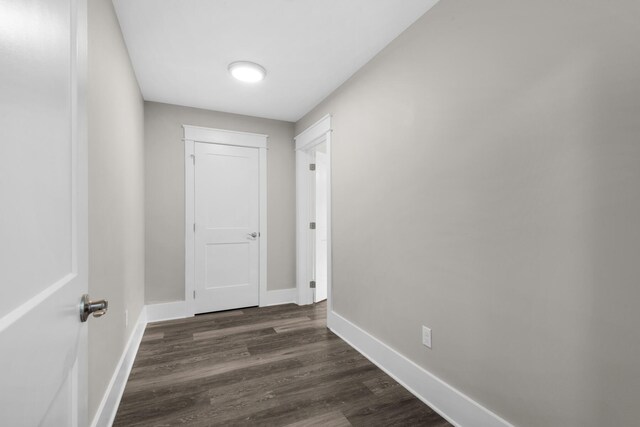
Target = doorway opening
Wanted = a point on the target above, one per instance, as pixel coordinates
(313, 199)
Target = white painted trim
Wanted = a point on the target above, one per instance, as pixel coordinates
(189, 235)
(193, 134)
(280, 296)
(306, 139)
(456, 407)
(263, 227)
(167, 311)
(108, 408)
(316, 134)
(225, 137)
(329, 228)
(179, 309)
(305, 296)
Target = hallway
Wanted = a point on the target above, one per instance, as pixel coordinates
(183, 182)
(276, 366)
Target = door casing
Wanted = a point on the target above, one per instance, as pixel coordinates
(197, 134)
(314, 135)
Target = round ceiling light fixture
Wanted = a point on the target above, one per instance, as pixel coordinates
(246, 71)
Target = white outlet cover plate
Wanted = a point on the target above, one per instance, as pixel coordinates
(426, 336)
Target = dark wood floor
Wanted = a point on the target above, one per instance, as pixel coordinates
(273, 366)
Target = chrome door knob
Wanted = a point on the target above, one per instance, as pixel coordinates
(97, 308)
(252, 235)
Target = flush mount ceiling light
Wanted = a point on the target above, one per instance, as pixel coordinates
(246, 71)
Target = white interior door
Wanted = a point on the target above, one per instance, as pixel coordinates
(320, 240)
(43, 214)
(227, 227)
(313, 140)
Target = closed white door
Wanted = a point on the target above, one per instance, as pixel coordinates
(43, 213)
(227, 203)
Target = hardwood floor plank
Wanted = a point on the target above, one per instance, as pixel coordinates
(232, 330)
(153, 336)
(286, 339)
(380, 385)
(273, 366)
(187, 364)
(318, 323)
(334, 419)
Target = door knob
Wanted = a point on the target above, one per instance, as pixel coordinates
(97, 308)
(252, 235)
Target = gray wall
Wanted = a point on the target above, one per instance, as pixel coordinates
(116, 195)
(164, 198)
(486, 183)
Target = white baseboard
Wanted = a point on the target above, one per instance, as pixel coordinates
(456, 407)
(167, 311)
(106, 412)
(280, 296)
(178, 309)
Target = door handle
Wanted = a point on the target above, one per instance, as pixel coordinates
(97, 308)
(252, 236)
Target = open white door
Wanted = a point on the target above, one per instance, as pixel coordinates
(43, 213)
(321, 216)
(313, 219)
(227, 227)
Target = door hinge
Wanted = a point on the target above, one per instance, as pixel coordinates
(194, 227)
(193, 158)
(312, 166)
(312, 284)
(194, 294)
(312, 225)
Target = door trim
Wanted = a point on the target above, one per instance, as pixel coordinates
(314, 135)
(193, 134)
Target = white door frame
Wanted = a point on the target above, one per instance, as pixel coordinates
(314, 135)
(193, 134)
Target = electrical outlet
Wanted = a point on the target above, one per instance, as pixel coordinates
(126, 318)
(426, 336)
